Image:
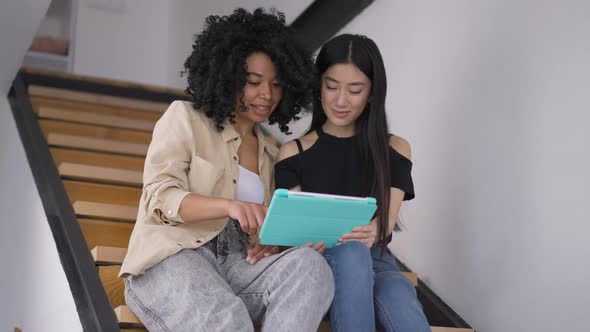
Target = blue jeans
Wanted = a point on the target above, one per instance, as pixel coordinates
(369, 288)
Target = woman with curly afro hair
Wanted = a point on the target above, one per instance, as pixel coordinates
(194, 262)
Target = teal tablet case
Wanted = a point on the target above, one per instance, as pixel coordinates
(294, 219)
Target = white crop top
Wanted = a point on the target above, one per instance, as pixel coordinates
(249, 188)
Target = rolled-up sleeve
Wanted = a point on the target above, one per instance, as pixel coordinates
(165, 181)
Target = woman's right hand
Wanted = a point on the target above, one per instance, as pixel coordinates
(249, 215)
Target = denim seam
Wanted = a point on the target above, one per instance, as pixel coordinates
(263, 271)
(145, 310)
(387, 319)
(264, 299)
(333, 322)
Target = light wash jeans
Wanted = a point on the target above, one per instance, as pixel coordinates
(370, 287)
(213, 288)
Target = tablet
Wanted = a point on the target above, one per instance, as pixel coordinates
(295, 218)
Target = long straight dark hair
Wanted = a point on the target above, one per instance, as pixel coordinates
(371, 126)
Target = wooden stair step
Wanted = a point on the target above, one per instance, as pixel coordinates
(75, 129)
(106, 233)
(106, 81)
(102, 193)
(95, 119)
(109, 160)
(113, 285)
(325, 327)
(126, 317)
(95, 98)
(413, 276)
(97, 144)
(111, 255)
(105, 211)
(108, 255)
(101, 174)
(86, 107)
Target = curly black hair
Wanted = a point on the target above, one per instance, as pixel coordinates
(216, 67)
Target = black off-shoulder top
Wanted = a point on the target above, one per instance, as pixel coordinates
(333, 166)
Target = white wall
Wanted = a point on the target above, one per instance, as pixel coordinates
(493, 96)
(54, 23)
(126, 42)
(187, 18)
(19, 21)
(147, 41)
(34, 292)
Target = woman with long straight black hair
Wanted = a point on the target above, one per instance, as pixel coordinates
(349, 151)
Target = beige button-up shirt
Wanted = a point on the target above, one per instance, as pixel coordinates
(187, 154)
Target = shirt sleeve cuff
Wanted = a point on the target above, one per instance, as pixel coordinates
(167, 211)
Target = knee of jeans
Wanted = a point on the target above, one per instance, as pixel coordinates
(349, 255)
(395, 287)
(313, 267)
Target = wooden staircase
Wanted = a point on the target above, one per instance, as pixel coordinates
(98, 144)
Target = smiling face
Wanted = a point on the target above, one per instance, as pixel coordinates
(262, 92)
(344, 95)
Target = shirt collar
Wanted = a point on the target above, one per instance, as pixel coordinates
(269, 147)
(229, 133)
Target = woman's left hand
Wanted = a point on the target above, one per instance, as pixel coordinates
(258, 251)
(366, 234)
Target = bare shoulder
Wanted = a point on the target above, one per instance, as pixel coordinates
(401, 145)
(308, 140)
(290, 148)
(287, 150)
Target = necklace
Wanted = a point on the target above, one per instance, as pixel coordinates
(239, 130)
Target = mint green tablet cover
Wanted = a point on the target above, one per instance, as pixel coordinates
(293, 220)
